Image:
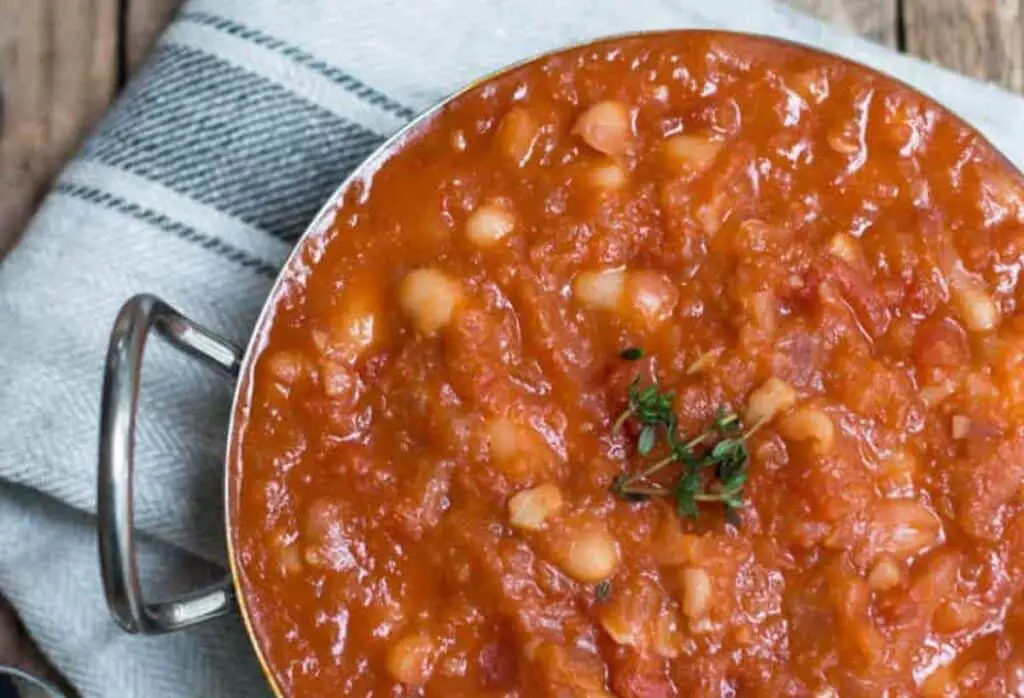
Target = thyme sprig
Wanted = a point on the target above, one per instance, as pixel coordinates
(713, 463)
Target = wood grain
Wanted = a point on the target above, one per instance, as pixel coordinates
(982, 38)
(17, 650)
(873, 19)
(58, 72)
(145, 20)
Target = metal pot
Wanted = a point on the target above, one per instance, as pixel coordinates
(143, 313)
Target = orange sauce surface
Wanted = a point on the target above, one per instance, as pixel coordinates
(425, 452)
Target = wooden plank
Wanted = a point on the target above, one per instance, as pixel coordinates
(58, 72)
(145, 21)
(18, 650)
(982, 38)
(872, 19)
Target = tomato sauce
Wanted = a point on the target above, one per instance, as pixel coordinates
(425, 454)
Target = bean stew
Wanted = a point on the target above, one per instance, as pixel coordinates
(685, 364)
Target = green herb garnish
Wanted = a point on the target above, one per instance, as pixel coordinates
(632, 354)
(713, 463)
(602, 591)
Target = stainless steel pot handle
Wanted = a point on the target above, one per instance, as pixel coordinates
(117, 436)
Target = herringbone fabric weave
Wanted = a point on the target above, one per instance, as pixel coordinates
(194, 188)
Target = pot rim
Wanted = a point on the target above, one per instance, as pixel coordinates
(365, 171)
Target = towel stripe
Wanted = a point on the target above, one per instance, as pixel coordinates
(215, 132)
(161, 222)
(336, 75)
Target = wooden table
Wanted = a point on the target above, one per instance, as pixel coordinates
(63, 61)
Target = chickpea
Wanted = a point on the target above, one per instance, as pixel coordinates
(773, 397)
(645, 297)
(590, 556)
(518, 451)
(607, 176)
(810, 425)
(429, 297)
(687, 153)
(606, 127)
(530, 508)
(489, 224)
(696, 592)
(411, 659)
(600, 290)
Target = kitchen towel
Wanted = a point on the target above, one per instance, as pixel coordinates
(195, 187)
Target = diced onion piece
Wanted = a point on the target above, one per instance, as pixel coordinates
(600, 290)
(940, 683)
(704, 360)
(517, 135)
(286, 366)
(975, 306)
(960, 426)
(590, 556)
(410, 660)
(885, 574)
(606, 127)
(429, 297)
(687, 153)
(902, 528)
(955, 615)
(337, 379)
(773, 397)
(696, 592)
(530, 508)
(650, 297)
(897, 472)
(489, 224)
(845, 140)
(668, 638)
(810, 425)
(933, 395)
(845, 248)
(504, 439)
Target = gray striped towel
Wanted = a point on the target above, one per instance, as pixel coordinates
(194, 188)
